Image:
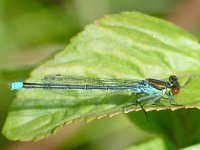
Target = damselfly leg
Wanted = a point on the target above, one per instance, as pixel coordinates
(171, 101)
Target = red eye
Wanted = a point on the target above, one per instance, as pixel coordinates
(175, 91)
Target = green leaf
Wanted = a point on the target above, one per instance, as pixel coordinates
(129, 45)
(193, 147)
(181, 127)
(153, 144)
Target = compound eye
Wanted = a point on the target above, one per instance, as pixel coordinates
(175, 91)
(172, 78)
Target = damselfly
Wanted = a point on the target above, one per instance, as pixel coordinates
(153, 88)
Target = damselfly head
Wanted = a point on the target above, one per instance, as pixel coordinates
(175, 87)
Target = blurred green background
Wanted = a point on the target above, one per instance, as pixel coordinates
(31, 32)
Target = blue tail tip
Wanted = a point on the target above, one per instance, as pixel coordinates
(16, 85)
